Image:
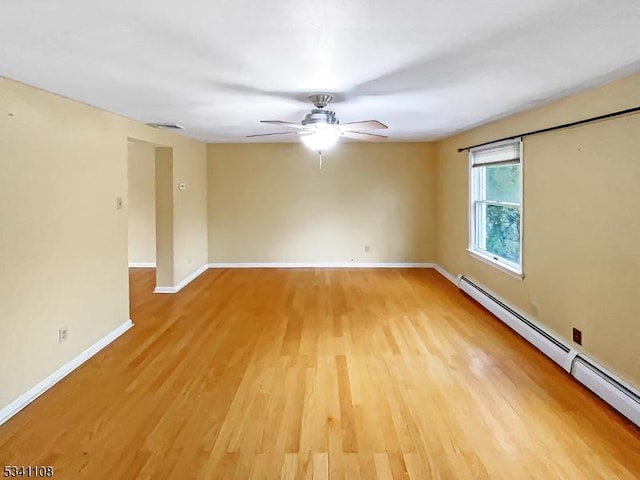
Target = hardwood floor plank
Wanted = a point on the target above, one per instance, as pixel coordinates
(349, 437)
(319, 373)
(289, 466)
(320, 466)
(383, 469)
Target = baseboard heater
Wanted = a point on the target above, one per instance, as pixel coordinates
(604, 384)
(608, 388)
(534, 334)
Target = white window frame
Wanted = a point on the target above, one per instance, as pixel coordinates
(476, 176)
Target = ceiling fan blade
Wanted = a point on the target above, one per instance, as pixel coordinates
(368, 137)
(284, 124)
(267, 134)
(364, 125)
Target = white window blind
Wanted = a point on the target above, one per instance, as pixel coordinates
(506, 153)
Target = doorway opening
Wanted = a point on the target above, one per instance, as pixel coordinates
(149, 216)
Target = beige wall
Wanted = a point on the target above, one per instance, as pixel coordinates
(581, 222)
(63, 243)
(164, 217)
(272, 203)
(189, 209)
(142, 202)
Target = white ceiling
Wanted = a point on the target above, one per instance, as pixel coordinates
(426, 68)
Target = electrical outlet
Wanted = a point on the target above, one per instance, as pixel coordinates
(577, 336)
(119, 203)
(62, 334)
(367, 248)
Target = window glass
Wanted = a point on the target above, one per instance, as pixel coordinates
(503, 183)
(501, 233)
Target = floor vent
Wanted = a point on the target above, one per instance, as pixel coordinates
(608, 388)
(604, 384)
(534, 334)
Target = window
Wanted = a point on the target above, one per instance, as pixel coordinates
(495, 210)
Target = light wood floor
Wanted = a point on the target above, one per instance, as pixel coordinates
(294, 374)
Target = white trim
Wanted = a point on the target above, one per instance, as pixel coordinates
(191, 277)
(165, 290)
(503, 267)
(320, 265)
(446, 274)
(474, 184)
(142, 264)
(29, 396)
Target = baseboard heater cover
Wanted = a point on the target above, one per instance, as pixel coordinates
(608, 388)
(534, 334)
(604, 384)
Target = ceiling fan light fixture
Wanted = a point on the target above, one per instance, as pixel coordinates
(320, 129)
(321, 139)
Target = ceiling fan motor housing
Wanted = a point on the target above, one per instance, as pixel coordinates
(320, 116)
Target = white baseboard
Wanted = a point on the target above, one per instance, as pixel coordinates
(202, 269)
(191, 277)
(321, 265)
(165, 290)
(26, 398)
(142, 264)
(445, 274)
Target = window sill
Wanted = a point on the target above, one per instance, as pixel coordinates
(508, 269)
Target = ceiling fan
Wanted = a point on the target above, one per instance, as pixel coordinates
(320, 129)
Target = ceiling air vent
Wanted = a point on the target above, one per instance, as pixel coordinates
(168, 126)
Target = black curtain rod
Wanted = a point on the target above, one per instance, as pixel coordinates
(558, 127)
